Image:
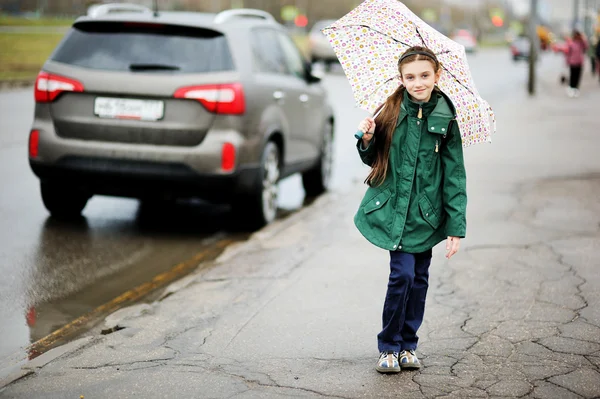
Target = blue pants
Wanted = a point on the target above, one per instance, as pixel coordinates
(405, 301)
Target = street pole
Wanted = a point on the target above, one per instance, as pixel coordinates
(533, 45)
(587, 22)
(575, 13)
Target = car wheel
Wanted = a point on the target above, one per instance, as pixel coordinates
(316, 181)
(63, 202)
(259, 208)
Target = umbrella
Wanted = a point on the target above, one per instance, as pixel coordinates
(368, 42)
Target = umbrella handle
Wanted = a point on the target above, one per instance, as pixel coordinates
(359, 133)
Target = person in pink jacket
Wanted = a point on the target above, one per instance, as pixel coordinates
(575, 54)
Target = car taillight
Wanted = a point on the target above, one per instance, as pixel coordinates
(220, 99)
(34, 142)
(228, 157)
(49, 86)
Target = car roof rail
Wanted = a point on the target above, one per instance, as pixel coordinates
(99, 10)
(227, 15)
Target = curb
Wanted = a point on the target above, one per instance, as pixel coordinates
(30, 367)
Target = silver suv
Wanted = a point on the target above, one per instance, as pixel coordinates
(169, 105)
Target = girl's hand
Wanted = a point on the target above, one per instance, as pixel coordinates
(452, 246)
(367, 126)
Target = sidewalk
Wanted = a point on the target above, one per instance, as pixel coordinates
(295, 310)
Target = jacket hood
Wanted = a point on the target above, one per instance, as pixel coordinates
(444, 107)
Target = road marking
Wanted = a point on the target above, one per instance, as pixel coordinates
(93, 317)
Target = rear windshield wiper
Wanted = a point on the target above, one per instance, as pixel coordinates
(153, 67)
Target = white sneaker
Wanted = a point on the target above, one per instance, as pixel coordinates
(575, 92)
(388, 363)
(409, 361)
(570, 92)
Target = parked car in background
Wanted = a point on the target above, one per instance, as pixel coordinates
(319, 47)
(178, 105)
(520, 48)
(466, 38)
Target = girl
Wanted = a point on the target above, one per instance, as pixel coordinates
(416, 197)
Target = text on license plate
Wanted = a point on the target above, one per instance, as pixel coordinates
(124, 108)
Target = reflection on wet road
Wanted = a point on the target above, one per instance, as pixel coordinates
(71, 268)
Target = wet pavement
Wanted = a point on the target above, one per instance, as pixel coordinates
(294, 310)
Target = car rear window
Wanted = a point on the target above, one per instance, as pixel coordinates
(132, 46)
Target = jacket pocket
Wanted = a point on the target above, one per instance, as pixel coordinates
(428, 212)
(377, 201)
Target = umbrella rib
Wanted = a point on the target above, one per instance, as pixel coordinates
(425, 44)
(386, 35)
(458, 80)
(378, 87)
(374, 30)
(422, 40)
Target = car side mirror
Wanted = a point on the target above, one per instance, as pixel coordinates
(311, 75)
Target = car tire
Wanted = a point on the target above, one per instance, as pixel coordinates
(63, 202)
(316, 180)
(259, 207)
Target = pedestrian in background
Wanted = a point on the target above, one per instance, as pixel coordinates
(576, 51)
(416, 197)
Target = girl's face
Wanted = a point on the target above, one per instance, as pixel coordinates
(419, 79)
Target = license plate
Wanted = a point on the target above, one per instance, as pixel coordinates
(124, 108)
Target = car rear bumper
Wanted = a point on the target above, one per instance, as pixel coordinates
(138, 170)
(204, 158)
(142, 179)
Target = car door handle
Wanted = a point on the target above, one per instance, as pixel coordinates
(278, 95)
(304, 98)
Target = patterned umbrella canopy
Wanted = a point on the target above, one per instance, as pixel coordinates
(370, 39)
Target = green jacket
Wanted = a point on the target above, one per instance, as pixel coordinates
(423, 199)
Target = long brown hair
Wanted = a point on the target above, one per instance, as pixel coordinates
(385, 122)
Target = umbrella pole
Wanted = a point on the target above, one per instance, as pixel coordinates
(358, 135)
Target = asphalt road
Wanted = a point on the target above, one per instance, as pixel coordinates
(54, 272)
